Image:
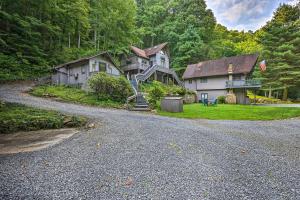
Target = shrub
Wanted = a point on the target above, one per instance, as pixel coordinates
(221, 99)
(167, 89)
(155, 94)
(107, 87)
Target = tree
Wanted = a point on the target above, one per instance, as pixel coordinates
(187, 25)
(113, 24)
(281, 48)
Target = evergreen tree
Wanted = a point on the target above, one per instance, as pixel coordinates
(281, 43)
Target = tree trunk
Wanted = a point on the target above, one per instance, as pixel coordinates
(270, 92)
(79, 39)
(69, 40)
(95, 38)
(285, 94)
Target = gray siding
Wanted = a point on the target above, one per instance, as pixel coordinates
(213, 83)
(80, 73)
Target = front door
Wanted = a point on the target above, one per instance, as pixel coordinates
(204, 96)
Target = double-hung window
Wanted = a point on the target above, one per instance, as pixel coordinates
(203, 80)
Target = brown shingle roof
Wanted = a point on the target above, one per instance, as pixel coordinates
(145, 53)
(243, 64)
(139, 52)
(153, 50)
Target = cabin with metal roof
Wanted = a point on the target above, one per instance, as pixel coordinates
(231, 76)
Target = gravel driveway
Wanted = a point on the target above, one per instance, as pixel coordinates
(142, 156)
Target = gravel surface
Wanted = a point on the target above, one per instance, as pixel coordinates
(142, 156)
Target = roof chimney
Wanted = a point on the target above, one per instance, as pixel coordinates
(230, 68)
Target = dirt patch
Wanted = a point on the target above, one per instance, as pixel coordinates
(33, 140)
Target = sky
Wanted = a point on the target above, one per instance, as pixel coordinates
(244, 14)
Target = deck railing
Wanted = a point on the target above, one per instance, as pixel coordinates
(243, 84)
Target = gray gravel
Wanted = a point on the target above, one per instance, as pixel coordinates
(141, 156)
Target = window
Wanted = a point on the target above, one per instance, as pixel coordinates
(144, 62)
(204, 96)
(203, 80)
(93, 68)
(151, 62)
(109, 69)
(83, 70)
(237, 77)
(190, 81)
(102, 67)
(163, 61)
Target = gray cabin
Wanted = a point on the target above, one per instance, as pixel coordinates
(223, 77)
(77, 72)
(151, 64)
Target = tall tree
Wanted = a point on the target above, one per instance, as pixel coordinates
(281, 42)
(113, 24)
(187, 25)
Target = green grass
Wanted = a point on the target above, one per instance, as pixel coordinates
(234, 112)
(16, 117)
(74, 95)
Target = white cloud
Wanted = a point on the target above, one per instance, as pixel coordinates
(244, 14)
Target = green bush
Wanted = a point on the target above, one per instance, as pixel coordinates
(155, 94)
(109, 87)
(221, 99)
(167, 89)
(16, 117)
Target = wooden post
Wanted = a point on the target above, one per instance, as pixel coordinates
(155, 76)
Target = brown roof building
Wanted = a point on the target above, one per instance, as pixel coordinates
(214, 78)
(243, 64)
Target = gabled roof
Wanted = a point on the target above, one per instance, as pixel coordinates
(145, 53)
(105, 53)
(153, 50)
(139, 52)
(243, 64)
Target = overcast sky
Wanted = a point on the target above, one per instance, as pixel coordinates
(244, 14)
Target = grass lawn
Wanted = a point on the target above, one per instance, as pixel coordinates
(234, 112)
(74, 95)
(16, 117)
